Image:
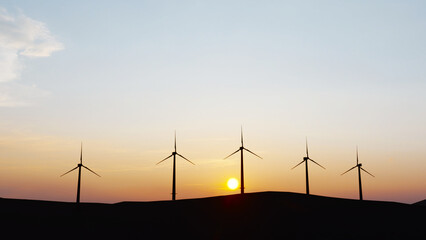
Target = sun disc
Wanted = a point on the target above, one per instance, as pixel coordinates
(232, 183)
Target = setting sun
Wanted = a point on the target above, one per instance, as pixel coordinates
(232, 183)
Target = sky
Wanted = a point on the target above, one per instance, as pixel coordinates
(122, 76)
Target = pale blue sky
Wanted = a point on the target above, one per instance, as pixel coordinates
(131, 72)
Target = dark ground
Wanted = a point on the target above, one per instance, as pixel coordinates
(265, 215)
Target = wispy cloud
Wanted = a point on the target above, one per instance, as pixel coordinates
(19, 95)
(20, 37)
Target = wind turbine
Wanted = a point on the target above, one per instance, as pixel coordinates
(242, 163)
(359, 166)
(174, 168)
(305, 160)
(79, 172)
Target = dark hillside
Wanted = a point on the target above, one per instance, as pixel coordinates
(266, 215)
(421, 203)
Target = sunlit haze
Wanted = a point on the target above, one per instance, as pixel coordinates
(123, 76)
(232, 183)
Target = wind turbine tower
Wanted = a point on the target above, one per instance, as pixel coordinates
(242, 148)
(305, 160)
(359, 166)
(79, 173)
(174, 168)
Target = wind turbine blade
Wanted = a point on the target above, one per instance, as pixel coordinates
(356, 155)
(253, 153)
(81, 153)
(91, 170)
(242, 141)
(350, 169)
(164, 159)
(298, 164)
(175, 140)
(307, 153)
(69, 171)
(184, 158)
(316, 163)
(367, 172)
(232, 154)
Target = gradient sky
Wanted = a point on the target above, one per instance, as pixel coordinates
(122, 76)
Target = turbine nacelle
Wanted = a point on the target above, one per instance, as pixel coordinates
(305, 159)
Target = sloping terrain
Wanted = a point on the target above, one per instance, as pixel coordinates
(265, 215)
(421, 203)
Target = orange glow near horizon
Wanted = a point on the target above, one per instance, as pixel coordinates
(31, 169)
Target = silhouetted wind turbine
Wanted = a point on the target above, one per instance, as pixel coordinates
(359, 166)
(305, 159)
(242, 164)
(79, 172)
(174, 168)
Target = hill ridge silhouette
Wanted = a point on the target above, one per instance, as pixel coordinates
(264, 215)
(420, 203)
